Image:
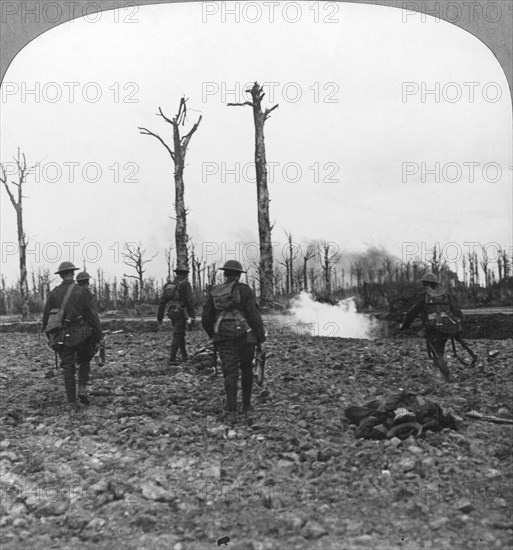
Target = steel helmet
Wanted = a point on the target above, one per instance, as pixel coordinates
(232, 265)
(66, 266)
(83, 276)
(181, 269)
(429, 278)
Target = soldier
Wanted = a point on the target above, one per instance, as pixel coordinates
(232, 319)
(441, 316)
(178, 293)
(83, 328)
(83, 280)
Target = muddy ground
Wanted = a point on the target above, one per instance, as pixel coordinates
(151, 465)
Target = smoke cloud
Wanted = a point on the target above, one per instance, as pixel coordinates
(335, 321)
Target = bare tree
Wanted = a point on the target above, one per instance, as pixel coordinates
(388, 266)
(328, 258)
(134, 257)
(357, 269)
(506, 263)
(471, 269)
(264, 226)
(476, 268)
(292, 256)
(22, 173)
(212, 274)
(180, 144)
(485, 260)
(309, 254)
(169, 263)
(286, 265)
(370, 268)
(313, 275)
(278, 279)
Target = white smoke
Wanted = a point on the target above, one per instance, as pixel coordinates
(338, 321)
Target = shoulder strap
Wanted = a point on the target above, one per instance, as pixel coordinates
(66, 299)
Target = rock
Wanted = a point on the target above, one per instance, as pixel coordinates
(218, 430)
(313, 530)
(490, 473)
(285, 465)
(151, 491)
(88, 429)
(363, 540)
(19, 523)
(47, 509)
(8, 456)
(415, 449)
(293, 522)
(439, 523)
(395, 442)
(4, 444)
(406, 463)
(464, 505)
(312, 454)
(428, 461)
(294, 457)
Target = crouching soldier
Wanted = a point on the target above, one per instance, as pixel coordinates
(178, 294)
(232, 319)
(81, 330)
(441, 317)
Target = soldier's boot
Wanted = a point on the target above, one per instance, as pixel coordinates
(183, 351)
(247, 387)
(70, 386)
(230, 417)
(441, 363)
(230, 387)
(82, 394)
(172, 358)
(83, 378)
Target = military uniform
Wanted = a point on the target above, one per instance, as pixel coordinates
(80, 306)
(236, 354)
(90, 346)
(435, 338)
(180, 315)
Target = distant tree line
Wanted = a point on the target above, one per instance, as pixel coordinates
(375, 278)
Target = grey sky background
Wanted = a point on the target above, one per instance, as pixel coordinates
(364, 138)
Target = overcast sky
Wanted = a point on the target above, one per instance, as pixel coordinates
(353, 127)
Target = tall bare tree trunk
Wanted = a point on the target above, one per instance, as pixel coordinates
(21, 165)
(180, 144)
(264, 226)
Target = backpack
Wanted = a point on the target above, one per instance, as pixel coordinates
(230, 322)
(172, 294)
(55, 329)
(438, 314)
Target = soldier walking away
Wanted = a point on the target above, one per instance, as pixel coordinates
(178, 294)
(81, 330)
(232, 319)
(441, 316)
(82, 279)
